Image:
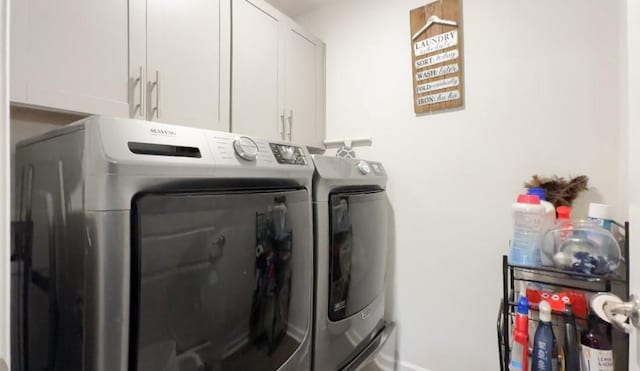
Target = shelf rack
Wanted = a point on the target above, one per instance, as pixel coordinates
(616, 282)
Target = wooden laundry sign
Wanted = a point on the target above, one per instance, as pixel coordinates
(436, 56)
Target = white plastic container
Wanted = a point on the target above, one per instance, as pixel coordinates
(601, 214)
(528, 217)
(548, 221)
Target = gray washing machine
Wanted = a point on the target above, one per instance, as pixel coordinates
(155, 247)
(351, 246)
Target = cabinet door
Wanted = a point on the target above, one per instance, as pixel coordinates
(138, 59)
(183, 62)
(256, 70)
(19, 57)
(71, 55)
(304, 74)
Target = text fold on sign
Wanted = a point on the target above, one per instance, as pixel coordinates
(437, 85)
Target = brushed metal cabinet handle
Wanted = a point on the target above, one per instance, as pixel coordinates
(290, 124)
(139, 81)
(283, 125)
(156, 87)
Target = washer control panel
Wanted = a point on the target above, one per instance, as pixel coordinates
(287, 154)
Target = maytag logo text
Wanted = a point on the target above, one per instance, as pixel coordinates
(165, 132)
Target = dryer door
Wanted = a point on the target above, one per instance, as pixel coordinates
(358, 251)
(221, 281)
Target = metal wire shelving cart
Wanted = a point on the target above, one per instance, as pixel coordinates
(616, 282)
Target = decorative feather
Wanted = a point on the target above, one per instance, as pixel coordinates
(558, 190)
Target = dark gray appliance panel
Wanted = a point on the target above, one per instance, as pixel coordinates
(358, 250)
(220, 281)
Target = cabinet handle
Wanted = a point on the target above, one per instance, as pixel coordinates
(290, 118)
(139, 81)
(283, 125)
(156, 86)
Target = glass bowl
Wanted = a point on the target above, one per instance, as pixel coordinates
(581, 246)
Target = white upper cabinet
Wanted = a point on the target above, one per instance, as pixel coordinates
(278, 82)
(70, 55)
(257, 70)
(179, 70)
(172, 61)
(304, 75)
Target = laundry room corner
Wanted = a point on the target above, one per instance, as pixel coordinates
(319, 185)
(5, 216)
(532, 106)
(632, 116)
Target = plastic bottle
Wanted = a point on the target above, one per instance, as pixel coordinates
(548, 221)
(595, 348)
(279, 217)
(543, 341)
(564, 217)
(550, 210)
(571, 349)
(564, 214)
(527, 234)
(602, 214)
(520, 348)
(548, 246)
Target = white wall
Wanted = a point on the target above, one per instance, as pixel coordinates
(4, 185)
(633, 122)
(543, 91)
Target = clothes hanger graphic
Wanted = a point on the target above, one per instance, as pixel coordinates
(434, 19)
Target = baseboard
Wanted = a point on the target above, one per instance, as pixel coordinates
(408, 366)
(385, 362)
(234, 345)
(296, 332)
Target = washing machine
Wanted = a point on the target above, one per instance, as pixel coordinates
(155, 247)
(351, 246)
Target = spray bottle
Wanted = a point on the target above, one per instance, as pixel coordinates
(520, 349)
(544, 341)
(571, 343)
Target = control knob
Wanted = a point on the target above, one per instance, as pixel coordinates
(364, 168)
(246, 148)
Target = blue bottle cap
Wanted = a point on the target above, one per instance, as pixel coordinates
(537, 192)
(523, 305)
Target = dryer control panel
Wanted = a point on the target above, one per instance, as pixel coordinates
(288, 154)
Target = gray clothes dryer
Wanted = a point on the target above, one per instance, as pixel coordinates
(351, 246)
(155, 247)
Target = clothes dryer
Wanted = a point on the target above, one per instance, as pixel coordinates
(351, 246)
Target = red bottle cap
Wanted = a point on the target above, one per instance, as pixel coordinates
(564, 212)
(529, 199)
